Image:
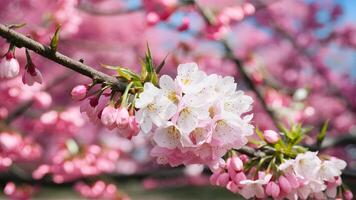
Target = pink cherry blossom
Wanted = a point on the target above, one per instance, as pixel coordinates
(9, 66)
(79, 92)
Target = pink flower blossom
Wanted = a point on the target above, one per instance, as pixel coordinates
(32, 75)
(272, 189)
(79, 92)
(9, 66)
(271, 136)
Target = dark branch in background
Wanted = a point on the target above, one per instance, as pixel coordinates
(19, 40)
(335, 142)
(90, 9)
(209, 19)
(302, 50)
(21, 109)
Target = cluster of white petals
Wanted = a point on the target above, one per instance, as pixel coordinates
(194, 118)
(316, 177)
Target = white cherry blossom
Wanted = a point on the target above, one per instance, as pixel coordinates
(190, 78)
(307, 165)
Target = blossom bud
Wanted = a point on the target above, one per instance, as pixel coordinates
(272, 189)
(31, 75)
(240, 177)
(184, 26)
(79, 92)
(134, 125)
(152, 18)
(9, 66)
(230, 169)
(231, 185)
(292, 179)
(348, 195)
(122, 119)
(236, 163)
(249, 9)
(284, 184)
(109, 116)
(244, 158)
(271, 136)
(214, 178)
(223, 179)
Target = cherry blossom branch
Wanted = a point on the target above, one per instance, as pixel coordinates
(307, 55)
(20, 40)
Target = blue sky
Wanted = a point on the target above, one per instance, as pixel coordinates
(350, 10)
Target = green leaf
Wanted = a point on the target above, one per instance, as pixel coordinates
(16, 26)
(55, 39)
(322, 133)
(148, 61)
(160, 66)
(124, 72)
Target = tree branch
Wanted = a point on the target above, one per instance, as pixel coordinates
(20, 40)
(94, 11)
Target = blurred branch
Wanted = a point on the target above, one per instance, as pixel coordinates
(20, 40)
(334, 142)
(95, 11)
(320, 69)
(209, 19)
(27, 104)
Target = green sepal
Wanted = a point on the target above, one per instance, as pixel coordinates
(322, 133)
(55, 39)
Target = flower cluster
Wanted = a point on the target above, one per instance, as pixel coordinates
(103, 110)
(15, 148)
(281, 169)
(226, 18)
(99, 190)
(71, 162)
(307, 176)
(19, 192)
(194, 118)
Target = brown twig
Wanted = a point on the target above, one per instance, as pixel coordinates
(20, 40)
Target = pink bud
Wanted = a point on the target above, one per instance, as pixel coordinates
(32, 75)
(79, 92)
(134, 125)
(240, 177)
(214, 178)
(231, 185)
(271, 136)
(244, 158)
(184, 26)
(10, 188)
(249, 9)
(122, 119)
(152, 18)
(292, 180)
(237, 163)
(284, 184)
(9, 66)
(109, 116)
(230, 169)
(272, 189)
(223, 179)
(348, 195)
